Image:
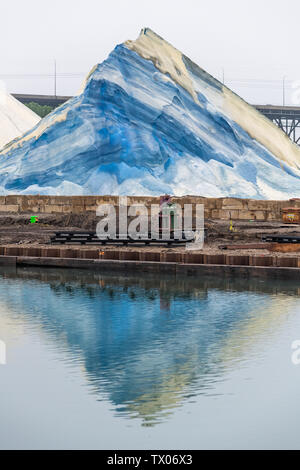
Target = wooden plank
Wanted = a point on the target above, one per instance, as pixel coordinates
(284, 247)
(246, 246)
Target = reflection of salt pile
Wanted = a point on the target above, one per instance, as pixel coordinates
(15, 118)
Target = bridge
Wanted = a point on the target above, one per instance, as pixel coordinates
(43, 100)
(287, 118)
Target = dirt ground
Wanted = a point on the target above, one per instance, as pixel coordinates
(17, 229)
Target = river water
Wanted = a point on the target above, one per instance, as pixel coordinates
(114, 361)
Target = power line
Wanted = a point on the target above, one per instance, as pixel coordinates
(79, 74)
(240, 82)
(42, 75)
(239, 85)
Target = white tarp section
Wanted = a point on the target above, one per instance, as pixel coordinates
(15, 118)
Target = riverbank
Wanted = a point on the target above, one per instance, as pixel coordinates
(23, 243)
(17, 231)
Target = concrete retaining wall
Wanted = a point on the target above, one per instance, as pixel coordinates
(215, 208)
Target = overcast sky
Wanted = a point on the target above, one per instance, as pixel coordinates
(256, 42)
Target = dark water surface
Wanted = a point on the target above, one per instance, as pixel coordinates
(114, 362)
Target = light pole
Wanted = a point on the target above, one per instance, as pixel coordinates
(283, 90)
(55, 78)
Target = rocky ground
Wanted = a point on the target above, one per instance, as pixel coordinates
(17, 229)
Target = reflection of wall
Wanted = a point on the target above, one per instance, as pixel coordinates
(143, 358)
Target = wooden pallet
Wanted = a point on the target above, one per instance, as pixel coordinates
(281, 238)
(91, 238)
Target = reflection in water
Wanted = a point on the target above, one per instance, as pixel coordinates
(147, 343)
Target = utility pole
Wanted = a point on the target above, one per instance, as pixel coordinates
(55, 78)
